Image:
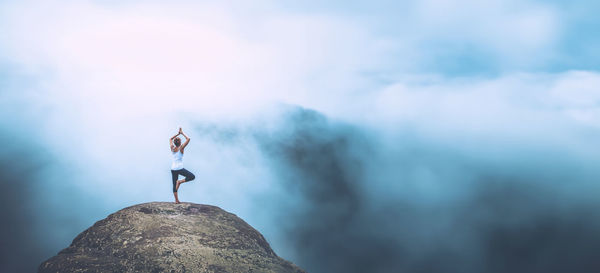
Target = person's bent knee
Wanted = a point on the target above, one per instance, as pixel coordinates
(190, 178)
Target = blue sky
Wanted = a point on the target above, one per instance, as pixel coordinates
(428, 97)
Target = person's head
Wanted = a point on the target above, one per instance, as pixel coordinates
(177, 142)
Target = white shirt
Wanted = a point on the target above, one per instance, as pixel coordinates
(177, 161)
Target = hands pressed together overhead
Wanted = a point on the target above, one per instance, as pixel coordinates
(180, 133)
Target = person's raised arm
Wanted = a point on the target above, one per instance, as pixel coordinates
(171, 140)
(187, 140)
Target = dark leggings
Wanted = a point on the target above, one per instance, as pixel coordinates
(175, 174)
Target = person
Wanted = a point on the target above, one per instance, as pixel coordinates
(177, 169)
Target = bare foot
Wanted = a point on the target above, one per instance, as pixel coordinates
(177, 202)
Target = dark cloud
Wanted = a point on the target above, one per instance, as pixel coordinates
(355, 203)
(41, 211)
(20, 248)
(495, 219)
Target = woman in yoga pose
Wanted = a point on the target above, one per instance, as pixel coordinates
(177, 166)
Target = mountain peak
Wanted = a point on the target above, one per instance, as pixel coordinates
(168, 237)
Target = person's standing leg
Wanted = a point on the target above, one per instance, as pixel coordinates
(174, 176)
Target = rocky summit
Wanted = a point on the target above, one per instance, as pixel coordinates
(167, 237)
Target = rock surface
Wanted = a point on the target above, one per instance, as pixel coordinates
(165, 237)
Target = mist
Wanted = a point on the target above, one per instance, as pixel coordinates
(353, 139)
(347, 202)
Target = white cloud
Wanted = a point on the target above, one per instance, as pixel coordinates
(516, 34)
(112, 82)
(116, 80)
(126, 68)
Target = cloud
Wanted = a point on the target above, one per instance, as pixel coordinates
(117, 56)
(464, 37)
(17, 213)
(140, 70)
(389, 148)
(417, 204)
